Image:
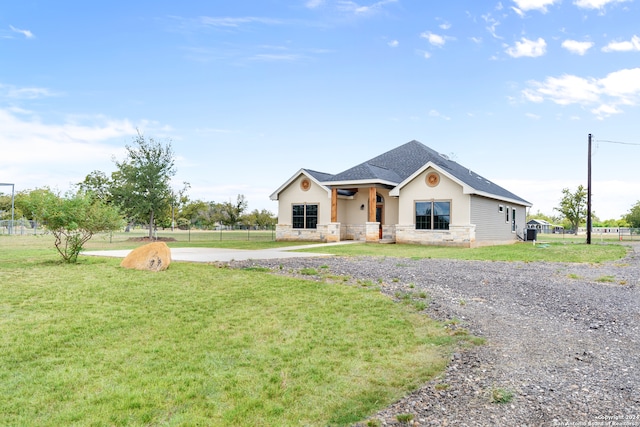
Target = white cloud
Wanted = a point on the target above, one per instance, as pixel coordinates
(492, 25)
(632, 45)
(623, 84)
(312, 4)
(394, 43)
(434, 39)
(13, 92)
(606, 111)
(28, 34)
(577, 47)
(564, 90)
(436, 113)
(607, 95)
(235, 22)
(445, 26)
(540, 5)
(595, 4)
(532, 96)
(533, 116)
(38, 154)
(353, 7)
(276, 57)
(528, 48)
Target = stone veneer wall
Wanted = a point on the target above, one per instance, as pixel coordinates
(457, 235)
(389, 232)
(460, 235)
(372, 231)
(324, 233)
(352, 232)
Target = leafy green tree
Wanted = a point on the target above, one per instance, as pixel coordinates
(22, 203)
(261, 219)
(613, 223)
(633, 217)
(231, 213)
(195, 213)
(142, 184)
(29, 202)
(98, 184)
(573, 206)
(74, 219)
(5, 206)
(179, 199)
(211, 216)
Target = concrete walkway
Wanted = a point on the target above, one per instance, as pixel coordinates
(226, 255)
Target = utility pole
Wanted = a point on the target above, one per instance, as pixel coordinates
(589, 194)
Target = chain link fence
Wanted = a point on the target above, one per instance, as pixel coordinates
(25, 227)
(627, 234)
(21, 227)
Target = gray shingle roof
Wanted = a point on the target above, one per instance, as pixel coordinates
(400, 163)
(320, 176)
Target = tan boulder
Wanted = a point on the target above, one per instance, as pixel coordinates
(152, 257)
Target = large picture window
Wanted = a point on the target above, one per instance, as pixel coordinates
(305, 216)
(434, 215)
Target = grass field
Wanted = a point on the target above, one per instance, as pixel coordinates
(554, 251)
(550, 247)
(94, 344)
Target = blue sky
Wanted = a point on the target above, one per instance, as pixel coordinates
(249, 92)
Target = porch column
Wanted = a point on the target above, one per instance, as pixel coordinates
(372, 204)
(334, 205)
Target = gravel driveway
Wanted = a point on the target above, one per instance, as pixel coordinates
(563, 338)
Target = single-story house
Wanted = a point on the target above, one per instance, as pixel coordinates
(544, 227)
(541, 225)
(411, 194)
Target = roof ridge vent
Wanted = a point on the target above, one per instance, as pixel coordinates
(444, 156)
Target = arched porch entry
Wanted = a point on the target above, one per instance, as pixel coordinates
(372, 229)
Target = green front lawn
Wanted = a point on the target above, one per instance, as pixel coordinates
(94, 344)
(553, 251)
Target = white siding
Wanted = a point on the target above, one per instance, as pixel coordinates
(491, 223)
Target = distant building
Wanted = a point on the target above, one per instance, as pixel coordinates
(544, 227)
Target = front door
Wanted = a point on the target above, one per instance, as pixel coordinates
(379, 213)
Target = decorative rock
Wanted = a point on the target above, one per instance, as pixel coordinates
(152, 257)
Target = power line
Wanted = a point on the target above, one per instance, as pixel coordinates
(618, 142)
